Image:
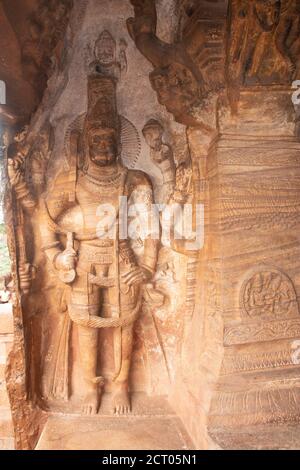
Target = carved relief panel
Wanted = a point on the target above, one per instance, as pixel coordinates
(269, 295)
(92, 313)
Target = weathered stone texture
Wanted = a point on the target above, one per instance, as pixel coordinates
(174, 102)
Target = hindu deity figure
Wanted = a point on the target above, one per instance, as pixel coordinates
(98, 262)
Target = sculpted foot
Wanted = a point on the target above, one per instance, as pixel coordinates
(91, 403)
(121, 400)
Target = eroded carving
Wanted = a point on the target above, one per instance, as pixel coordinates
(175, 79)
(46, 29)
(263, 44)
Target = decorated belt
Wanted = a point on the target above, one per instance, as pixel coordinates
(95, 257)
(95, 254)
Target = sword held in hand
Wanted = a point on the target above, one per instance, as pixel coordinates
(69, 276)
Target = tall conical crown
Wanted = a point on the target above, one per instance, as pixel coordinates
(102, 103)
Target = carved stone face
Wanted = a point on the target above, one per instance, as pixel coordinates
(153, 136)
(105, 49)
(176, 88)
(268, 13)
(103, 146)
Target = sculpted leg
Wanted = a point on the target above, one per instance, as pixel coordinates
(121, 399)
(85, 300)
(88, 345)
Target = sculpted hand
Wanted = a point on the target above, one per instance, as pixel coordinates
(134, 276)
(65, 261)
(25, 277)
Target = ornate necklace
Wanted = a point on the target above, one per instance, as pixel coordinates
(106, 180)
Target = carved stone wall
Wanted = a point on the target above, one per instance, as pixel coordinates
(193, 99)
(256, 192)
(95, 40)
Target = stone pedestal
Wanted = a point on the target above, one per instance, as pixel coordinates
(152, 425)
(255, 217)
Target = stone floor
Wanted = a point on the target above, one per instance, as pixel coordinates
(260, 437)
(152, 426)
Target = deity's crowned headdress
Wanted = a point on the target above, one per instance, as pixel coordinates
(102, 103)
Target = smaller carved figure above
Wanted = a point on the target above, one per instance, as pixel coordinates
(106, 57)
